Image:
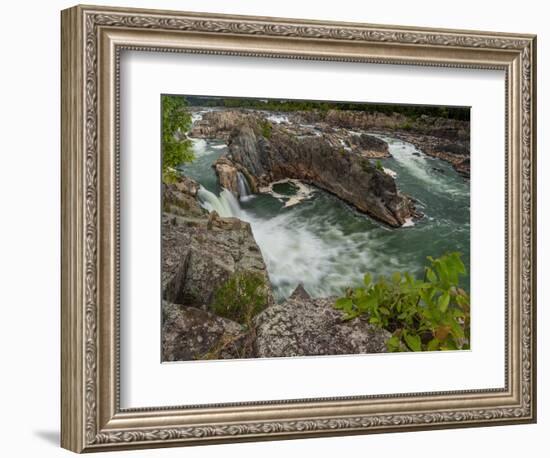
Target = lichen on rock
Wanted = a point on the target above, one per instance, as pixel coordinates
(303, 326)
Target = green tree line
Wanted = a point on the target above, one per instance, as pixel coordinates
(413, 111)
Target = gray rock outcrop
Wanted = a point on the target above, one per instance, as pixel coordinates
(302, 326)
(314, 160)
(180, 198)
(189, 333)
(368, 146)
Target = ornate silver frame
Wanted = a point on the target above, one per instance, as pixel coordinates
(92, 38)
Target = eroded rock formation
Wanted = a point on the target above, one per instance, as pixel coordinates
(314, 160)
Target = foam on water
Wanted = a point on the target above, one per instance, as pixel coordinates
(278, 118)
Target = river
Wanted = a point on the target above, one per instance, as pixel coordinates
(318, 240)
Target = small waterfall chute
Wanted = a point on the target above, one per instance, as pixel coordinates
(243, 187)
(225, 204)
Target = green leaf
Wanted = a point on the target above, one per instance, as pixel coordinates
(450, 344)
(433, 345)
(374, 320)
(367, 303)
(367, 279)
(463, 301)
(443, 301)
(344, 303)
(393, 344)
(413, 342)
(457, 330)
(434, 305)
(430, 275)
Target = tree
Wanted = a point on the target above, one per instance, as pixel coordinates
(176, 147)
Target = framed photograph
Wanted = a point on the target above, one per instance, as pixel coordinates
(277, 228)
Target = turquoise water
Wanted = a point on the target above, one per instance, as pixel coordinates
(327, 245)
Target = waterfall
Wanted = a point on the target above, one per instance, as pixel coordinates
(225, 204)
(242, 184)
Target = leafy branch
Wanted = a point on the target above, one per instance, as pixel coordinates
(432, 313)
(176, 147)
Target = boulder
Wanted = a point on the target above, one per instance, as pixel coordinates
(227, 174)
(302, 326)
(369, 146)
(201, 254)
(189, 333)
(180, 198)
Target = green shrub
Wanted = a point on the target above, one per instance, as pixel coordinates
(241, 297)
(266, 128)
(176, 121)
(428, 314)
(379, 165)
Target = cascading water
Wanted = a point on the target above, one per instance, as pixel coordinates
(324, 244)
(244, 188)
(225, 204)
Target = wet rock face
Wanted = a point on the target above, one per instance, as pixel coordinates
(227, 172)
(189, 333)
(315, 160)
(302, 326)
